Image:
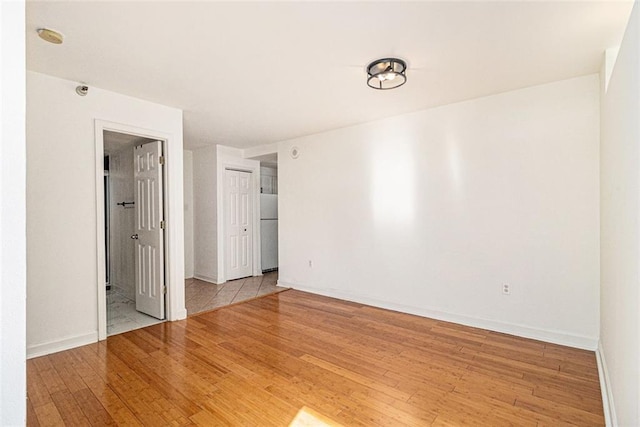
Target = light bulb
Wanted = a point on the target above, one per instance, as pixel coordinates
(386, 76)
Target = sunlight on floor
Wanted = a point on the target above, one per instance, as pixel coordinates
(307, 417)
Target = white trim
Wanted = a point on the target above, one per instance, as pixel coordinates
(178, 314)
(609, 408)
(173, 205)
(555, 337)
(224, 161)
(101, 273)
(205, 278)
(61, 345)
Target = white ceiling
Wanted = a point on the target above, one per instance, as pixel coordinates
(249, 74)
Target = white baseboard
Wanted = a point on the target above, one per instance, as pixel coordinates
(555, 337)
(610, 418)
(61, 345)
(178, 315)
(206, 279)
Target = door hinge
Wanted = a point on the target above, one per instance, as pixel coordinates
(161, 160)
(164, 290)
(163, 225)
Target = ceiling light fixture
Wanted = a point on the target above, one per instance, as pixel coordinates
(386, 73)
(50, 36)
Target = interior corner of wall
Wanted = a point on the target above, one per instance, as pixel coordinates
(610, 57)
(608, 406)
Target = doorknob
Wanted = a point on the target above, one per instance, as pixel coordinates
(134, 236)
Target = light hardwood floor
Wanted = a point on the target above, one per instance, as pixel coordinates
(293, 354)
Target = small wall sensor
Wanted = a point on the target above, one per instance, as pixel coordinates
(82, 90)
(294, 152)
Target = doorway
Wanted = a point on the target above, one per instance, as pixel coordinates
(268, 216)
(268, 213)
(223, 163)
(134, 232)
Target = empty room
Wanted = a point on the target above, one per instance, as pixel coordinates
(320, 213)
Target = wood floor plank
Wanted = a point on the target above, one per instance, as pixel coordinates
(49, 375)
(48, 415)
(67, 367)
(207, 418)
(92, 408)
(564, 381)
(102, 391)
(297, 356)
(373, 383)
(571, 397)
(32, 418)
(559, 411)
(69, 409)
(117, 408)
(37, 391)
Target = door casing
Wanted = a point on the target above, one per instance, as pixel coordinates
(246, 165)
(174, 233)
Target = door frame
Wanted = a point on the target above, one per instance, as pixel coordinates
(246, 165)
(173, 215)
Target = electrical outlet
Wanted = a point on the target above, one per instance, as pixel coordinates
(506, 289)
(310, 264)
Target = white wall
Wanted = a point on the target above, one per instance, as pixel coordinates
(122, 222)
(209, 164)
(620, 229)
(188, 214)
(12, 215)
(61, 206)
(204, 214)
(432, 212)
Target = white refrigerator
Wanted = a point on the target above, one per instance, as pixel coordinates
(269, 231)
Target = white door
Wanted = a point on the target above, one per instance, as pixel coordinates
(238, 224)
(149, 236)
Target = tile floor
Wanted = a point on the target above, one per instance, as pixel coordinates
(122, 315)
(203, 296)
(200, 296)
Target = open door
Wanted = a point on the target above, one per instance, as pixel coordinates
(149, 233)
